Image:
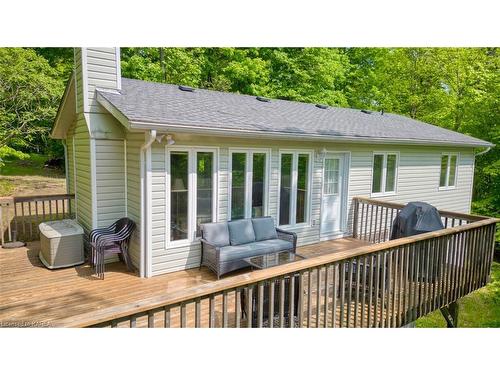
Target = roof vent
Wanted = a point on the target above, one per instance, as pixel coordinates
(262, 99)
(322, 106)
(186, 88)
(366, 111)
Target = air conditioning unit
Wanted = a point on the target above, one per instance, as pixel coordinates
(61, 244)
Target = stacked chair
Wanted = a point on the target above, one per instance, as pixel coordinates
(114, 239)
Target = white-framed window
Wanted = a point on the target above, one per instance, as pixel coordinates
(294, 187)
(248, 183)
(448, 174)
(384, 173)
(191, 196)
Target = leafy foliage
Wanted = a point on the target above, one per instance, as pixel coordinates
(29, 95)
(456, 88)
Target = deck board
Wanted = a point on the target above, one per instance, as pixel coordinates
(32, 295)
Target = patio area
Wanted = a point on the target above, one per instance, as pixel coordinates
(366, 280)
(32, 295)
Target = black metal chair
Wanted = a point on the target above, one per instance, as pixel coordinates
(114, 239)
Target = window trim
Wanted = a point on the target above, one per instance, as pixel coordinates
(293, 198)
(192, 183)
(383, 192)
(454, 186)
(248, 151)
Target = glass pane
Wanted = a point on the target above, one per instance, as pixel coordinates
(453, 170)
(331, 176)
(378, 163)
(390, 179)
(285, 189)
(259, 171)
(204, 186)
(302, 174)
(238, 186)
(178, 196)
(444, 166)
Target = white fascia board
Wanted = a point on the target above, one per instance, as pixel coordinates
(234, 132)
(60, 128)
(114, 111)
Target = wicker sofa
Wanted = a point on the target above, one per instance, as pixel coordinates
(224, 245)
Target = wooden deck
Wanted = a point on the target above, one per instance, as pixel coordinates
(31, 295)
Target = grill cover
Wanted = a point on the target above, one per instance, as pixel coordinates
(416, 218)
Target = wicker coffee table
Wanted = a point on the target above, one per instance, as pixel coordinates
(268, 261)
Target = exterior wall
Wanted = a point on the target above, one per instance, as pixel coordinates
(97, 141)
(79, 80)
(95, 67)
(70, 162)
(133, 145)
(110, 181)
(79, 140)
(418, 179)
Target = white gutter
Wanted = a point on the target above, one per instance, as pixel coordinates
(227, 132)
(145, 266)
(483, 152)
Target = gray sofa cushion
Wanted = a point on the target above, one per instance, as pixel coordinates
(228, 253)
(241, 232)
(264, 228)
(216, 233)
(277, 245)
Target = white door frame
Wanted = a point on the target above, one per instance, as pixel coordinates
(344, 192)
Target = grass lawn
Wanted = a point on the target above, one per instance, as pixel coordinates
(480, 309)
(6, 187)
(30, 177)
(34, 166)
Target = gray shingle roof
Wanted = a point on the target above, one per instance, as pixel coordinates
(165, 104)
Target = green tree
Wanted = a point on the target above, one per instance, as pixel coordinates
(30, 90)
(456, 88)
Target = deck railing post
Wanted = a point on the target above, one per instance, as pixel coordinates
(355, 217)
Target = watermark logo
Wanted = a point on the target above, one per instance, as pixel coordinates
(24, 324)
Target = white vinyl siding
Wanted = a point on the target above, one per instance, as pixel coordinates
(133, 144)
(418, 171)
(95, 67)
(110, 181)
(70, 163)
(79, 80)
(83, 180)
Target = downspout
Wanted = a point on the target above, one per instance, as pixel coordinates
(483, 152)
(145, 211)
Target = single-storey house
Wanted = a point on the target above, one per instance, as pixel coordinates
(171, 157)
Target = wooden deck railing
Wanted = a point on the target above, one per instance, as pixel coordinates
(387, 284)
(372, 219)
(20, 216)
